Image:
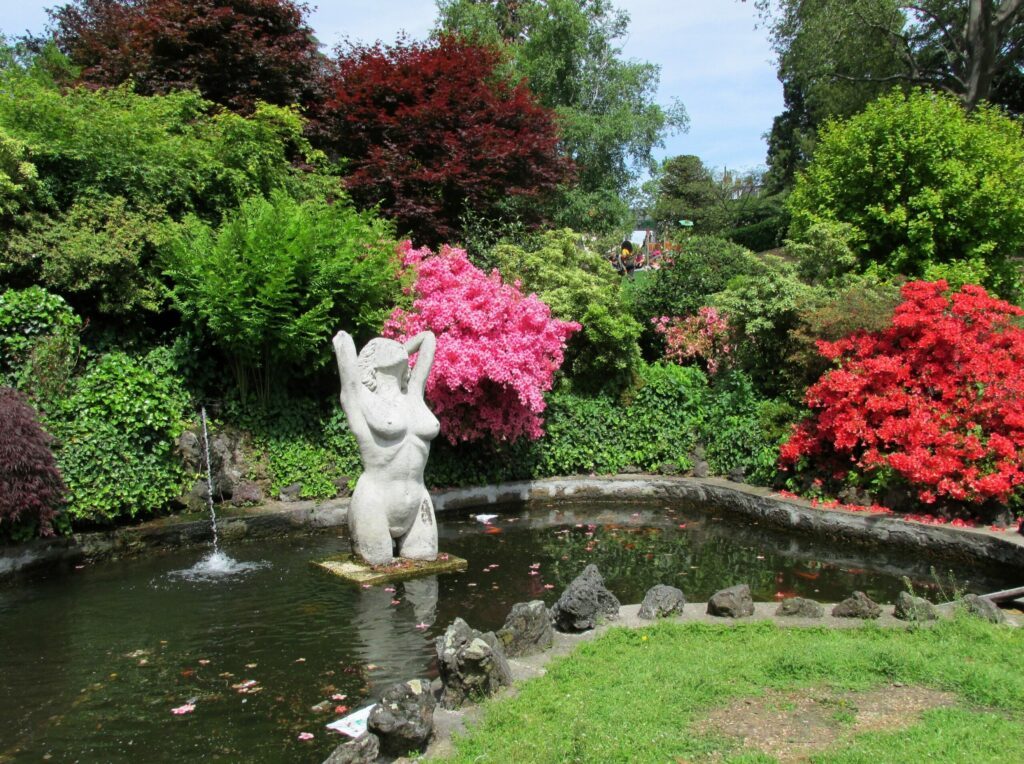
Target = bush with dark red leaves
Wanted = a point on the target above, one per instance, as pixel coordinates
(31, 487)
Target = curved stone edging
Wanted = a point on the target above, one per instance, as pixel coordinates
(734, 499)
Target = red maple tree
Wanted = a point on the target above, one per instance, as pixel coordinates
(431, 132)
(936, 399)
(234, 51)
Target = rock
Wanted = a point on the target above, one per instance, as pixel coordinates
(246, 492)
(361, 750)
(662, 601)
(472, 665)
(799, 607)
(584, 602)
(734, 602)
(341, 484)
(669, 468)
(631, 469)
(983, 608)
(701, 469)
(858, 605)
(323, 707)
(527, 629)
(737, 474)
(403, 718)
(291, 492)
(910, 608)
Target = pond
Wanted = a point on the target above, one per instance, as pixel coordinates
(94, 659)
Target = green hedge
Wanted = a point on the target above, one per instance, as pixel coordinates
(655, 429)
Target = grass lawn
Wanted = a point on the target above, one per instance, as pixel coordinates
(692, 692)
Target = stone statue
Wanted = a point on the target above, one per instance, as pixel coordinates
(393, 427)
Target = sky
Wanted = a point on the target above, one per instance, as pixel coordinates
(712, 56)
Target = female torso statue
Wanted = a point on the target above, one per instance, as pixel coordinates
(393, 427)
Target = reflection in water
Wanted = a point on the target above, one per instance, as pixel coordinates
(98, 658)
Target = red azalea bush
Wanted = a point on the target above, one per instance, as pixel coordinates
(497, 350)
(936, 399)
(703, 338)
(31, 487)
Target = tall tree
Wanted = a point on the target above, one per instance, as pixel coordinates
(569, 52)
(432, 134)
(234, 51)
(835, 56)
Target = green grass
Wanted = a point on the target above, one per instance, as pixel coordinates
(632, 695)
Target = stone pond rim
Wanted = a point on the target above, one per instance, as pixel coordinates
(734, 500)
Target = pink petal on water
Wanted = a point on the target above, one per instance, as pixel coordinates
(396, 602)
(305, 736)
(185, 709)
(389, 588)
(367, 586)
(423, 626)
(549, 586)
(338, 696)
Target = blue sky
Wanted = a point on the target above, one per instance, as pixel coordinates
(712, 58)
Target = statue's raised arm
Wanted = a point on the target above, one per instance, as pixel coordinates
(348, 371)
(425, 344)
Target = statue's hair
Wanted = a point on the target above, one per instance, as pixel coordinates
(379, 353)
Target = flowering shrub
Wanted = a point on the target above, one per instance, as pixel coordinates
(936, 399)
(31, 488)
(703, 338)
(497, 351)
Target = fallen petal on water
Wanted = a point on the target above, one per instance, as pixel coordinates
(305, 736)
(185, 709)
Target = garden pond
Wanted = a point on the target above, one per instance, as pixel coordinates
(133, 661)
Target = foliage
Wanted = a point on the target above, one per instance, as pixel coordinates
(639, 694)
(702, 338)
(172, 151)
(235, 52)
(835, 56)
(936, 399)
(570, 54)
(970, 49)
(579, 285)
(859, 304)
(31, 491)
(700, 266)
(497, 351)
(764, 306)
(117, 433)
(27, 317)
(18, 179)
(99, 256)
(274, 281)
(431, 134)
(920, 182)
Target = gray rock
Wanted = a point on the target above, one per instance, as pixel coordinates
(737, 475)
(669, 468)
(858, 605)
(584, 602)
(291, 492)
(701, 469)
(361, 750)
(527, 629)
(403, 718)
(734, 602)
(246, 492)
(662, 601)
(910, 608)
(983, 608)
(472, 665)
(799, 607)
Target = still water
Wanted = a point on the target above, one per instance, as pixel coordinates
(94, 660)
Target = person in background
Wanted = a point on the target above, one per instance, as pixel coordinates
(626, 259)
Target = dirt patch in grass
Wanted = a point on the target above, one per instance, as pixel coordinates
(794, 725)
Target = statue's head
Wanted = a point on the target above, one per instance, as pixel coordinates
(381, 355)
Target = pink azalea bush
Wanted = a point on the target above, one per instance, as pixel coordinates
(703, 338)
(497, 350)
